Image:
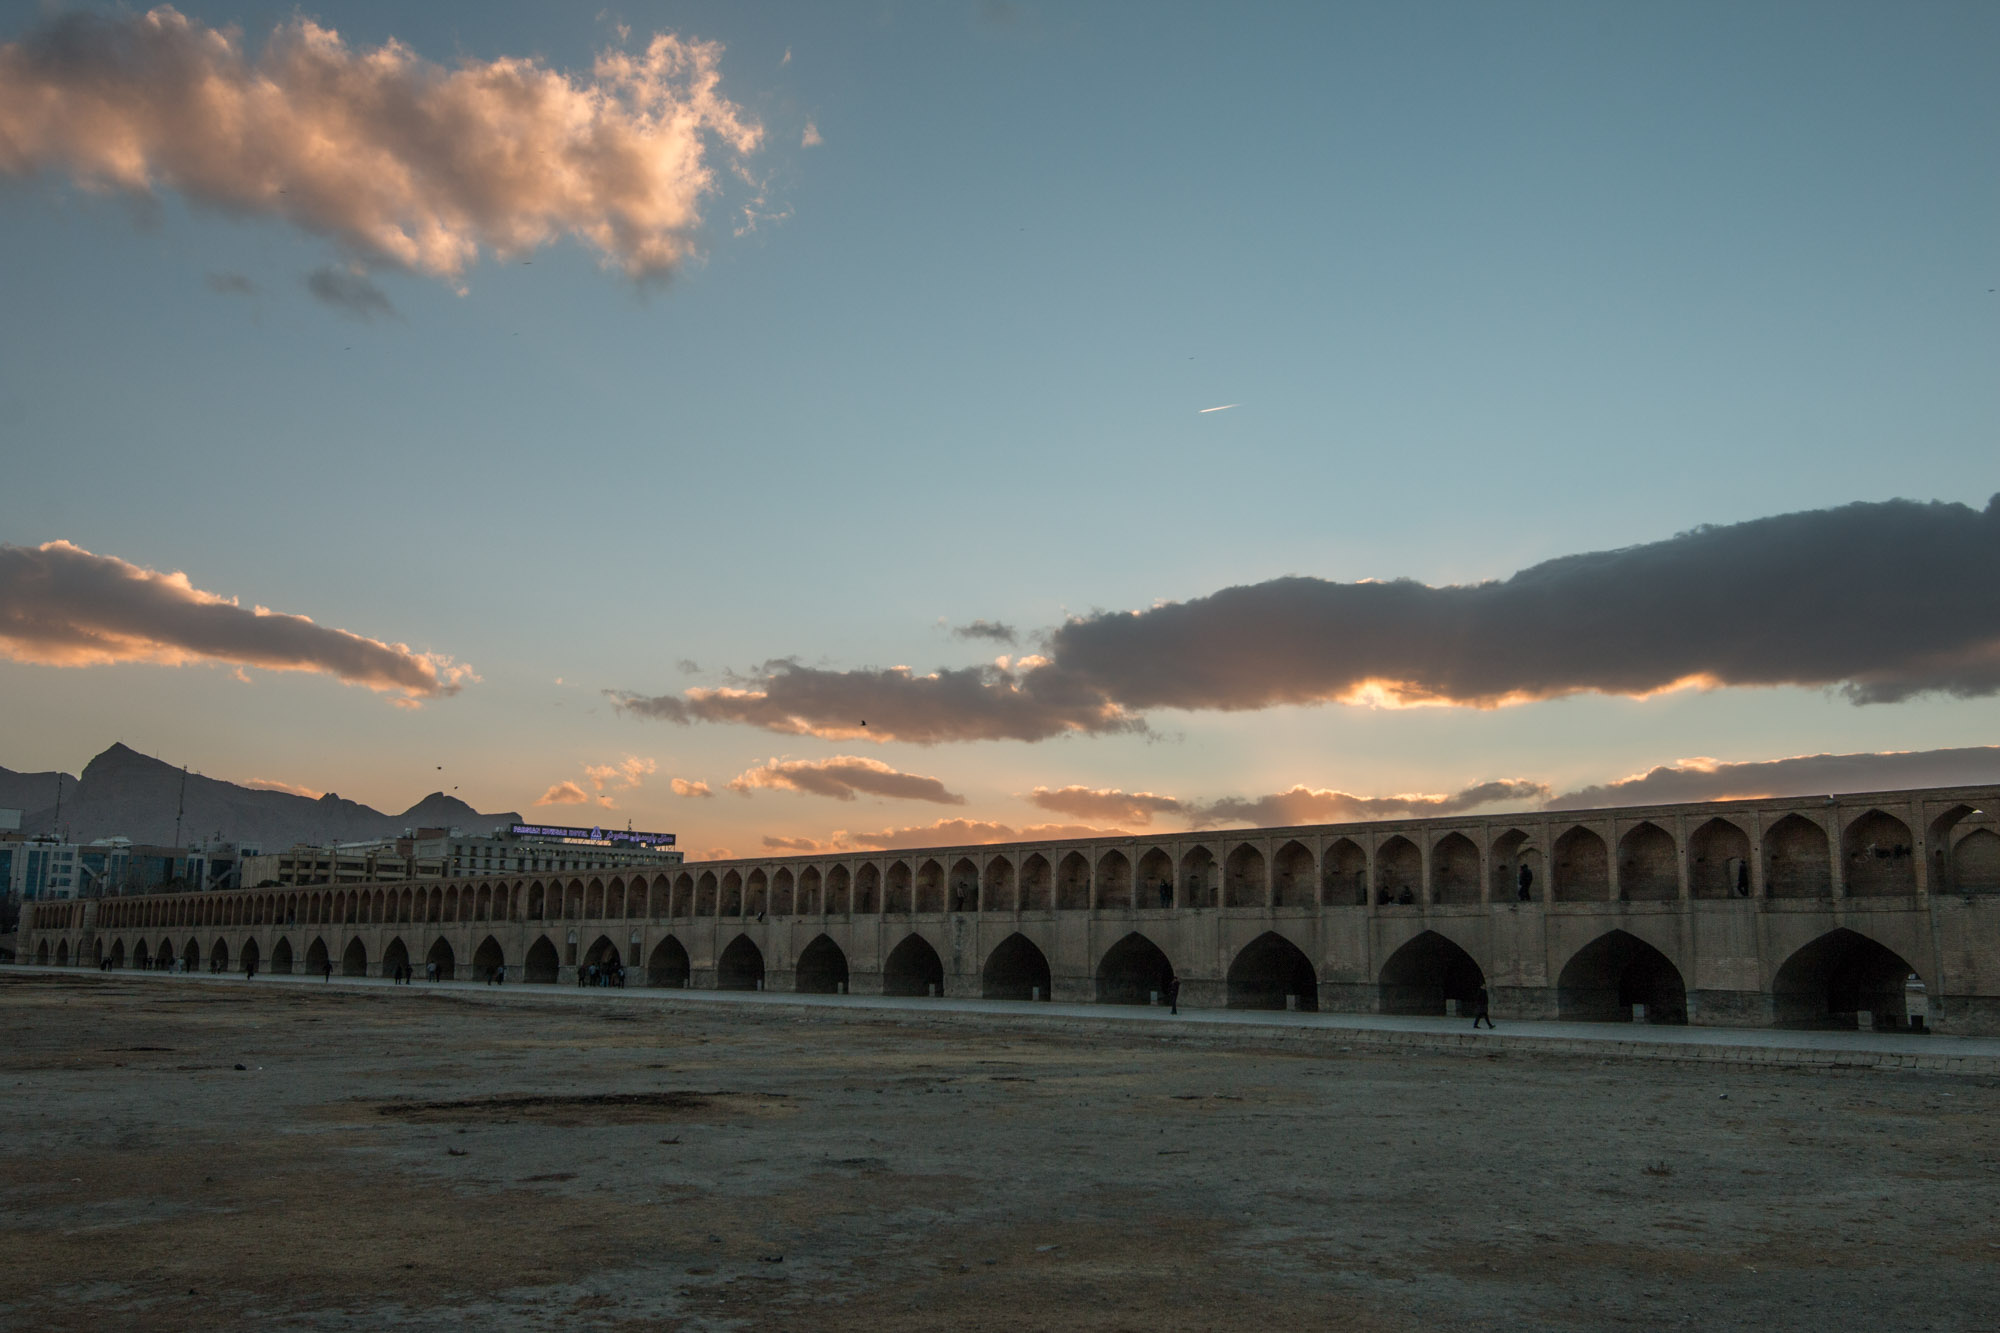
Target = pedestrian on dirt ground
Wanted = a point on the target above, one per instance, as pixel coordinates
(1479, 1009)
(500, 975)
(1173, 992)
(329, 969)
(250, 970)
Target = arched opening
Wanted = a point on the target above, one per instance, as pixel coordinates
(1114, 882)
(896, 896)
(1037, 884)
(488, 959)
(543, 964)
(281, 957)
(1648, 865)
(1243, 881)
(704, 894)
(252, 957)
(316, 957)
(741, 966)
(756, 894)
(141, 958)
(1454, 870)
(1719, 861)
(1516, 869)
(930, 887)
(1155, 884)
(1582, 867)
(1878, 857)
(442, 958)
(839, 891)
(1271, 972)
(1073, 883)
(781, 892)
(1426, 972)
(732, 894)
(1015, 970)
(1975, 863)
(117, 954)
(1796, 864)
(1615, 972)
(963, 888)
(822, 969)
(669, 966)
(996, 889)
(354, 960)
(593, 900)
(604, 956)
(1399, 871)
(810, 882)
(868, 889)
(913, 968)
(683, 905)
(1133, 971)
(1198, 872)
(1840, 976)
(62, 953)
(1292, 877)
(1344, 875)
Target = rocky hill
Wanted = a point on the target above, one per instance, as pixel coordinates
(123, 792)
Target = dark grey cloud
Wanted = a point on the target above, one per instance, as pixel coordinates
(1309, 805)
(350, 293)
(1124, 807)
(1800, 775)
(226, 283)
(998, 631)
(843, 777)
(1882, 601)
(969, 703)
(61, 605)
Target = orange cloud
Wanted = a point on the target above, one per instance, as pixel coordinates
(1137, 807)
(392, 156)
(683, 787)
(841, 777)
(61, 605)
(564, 793)
(942, 833)
(290, 788)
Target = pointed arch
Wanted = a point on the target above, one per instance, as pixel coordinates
(1796, 863)
(1429, 970)
(487, 959)
(930, 886)
(1245, 881)
(1271, 972)
(1017, 969)
(354, 959)
(316, 957)
(896, 893)
(1454, 870)
(1878, 858)
(1037, 884)
(441, 956)
(604, 955)
(731, 902)
(397, 955)
(1198, 882)
(251, 957)
(1975, 863)
(1153, 880)
(705, 894)
(741, 966)
(543, 964)
(913, 968)
(1399, 871)
(868, 889)
(1582, 867)
(669, 965)
(1719, 860)
(1294, 877)
(962, 888)
(822, 968)
(782, 892)
(1132, 971)
(756, 893)
(1604, 979)
(1648, 864)
(810, 884)
(1344, 875)
(839, 891)
(1839, 976)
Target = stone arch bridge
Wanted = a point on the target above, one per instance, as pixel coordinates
(1880, 909)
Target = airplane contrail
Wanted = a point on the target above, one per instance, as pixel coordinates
(1224, 408)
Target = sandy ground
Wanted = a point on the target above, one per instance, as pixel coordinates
(201, 1156)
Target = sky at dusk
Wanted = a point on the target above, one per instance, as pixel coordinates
(604, 417)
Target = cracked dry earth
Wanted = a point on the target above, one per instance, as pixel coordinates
(436, 1160)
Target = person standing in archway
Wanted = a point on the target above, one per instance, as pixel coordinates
(1480, 1011)
(1526, 884)
(1173, 992)
(328, 965)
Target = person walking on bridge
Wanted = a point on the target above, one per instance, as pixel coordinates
(1479, 1010)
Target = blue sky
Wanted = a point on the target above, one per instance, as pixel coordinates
(1491, 285)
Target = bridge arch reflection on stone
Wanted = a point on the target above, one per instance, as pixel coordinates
(1880, 909)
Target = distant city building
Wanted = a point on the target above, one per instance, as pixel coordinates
(43, 867)
(435, 853)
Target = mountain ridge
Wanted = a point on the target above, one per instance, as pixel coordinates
(124, 793)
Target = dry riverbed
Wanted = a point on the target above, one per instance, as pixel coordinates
(196, 1155)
